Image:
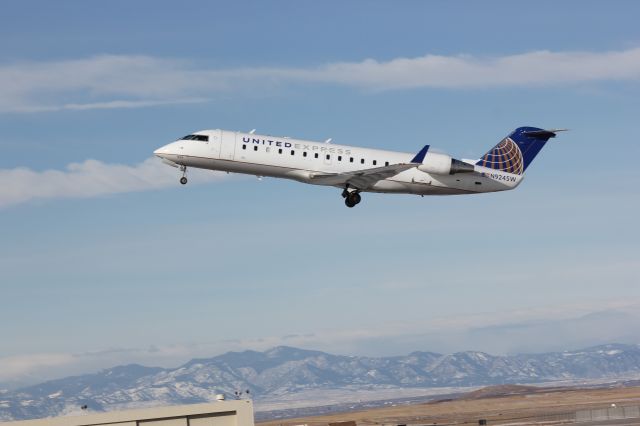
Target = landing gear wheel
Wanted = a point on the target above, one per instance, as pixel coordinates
(183, 179)
(352, 199)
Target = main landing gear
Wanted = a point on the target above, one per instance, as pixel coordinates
(351, 198)
(183, 179)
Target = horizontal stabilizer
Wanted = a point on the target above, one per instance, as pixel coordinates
(543, 134)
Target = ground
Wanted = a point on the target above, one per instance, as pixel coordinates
(515, 405)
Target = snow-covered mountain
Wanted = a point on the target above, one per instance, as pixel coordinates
(284, 371)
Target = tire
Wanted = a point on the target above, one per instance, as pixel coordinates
(348, 202)
(183, 180)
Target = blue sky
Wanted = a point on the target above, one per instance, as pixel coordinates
(105, 258)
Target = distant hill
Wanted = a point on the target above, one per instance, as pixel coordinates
(285, 370)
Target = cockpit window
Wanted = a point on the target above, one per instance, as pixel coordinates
(201, 138)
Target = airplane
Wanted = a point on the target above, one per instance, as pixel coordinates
(356, 169)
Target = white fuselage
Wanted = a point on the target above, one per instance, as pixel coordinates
(283, 157)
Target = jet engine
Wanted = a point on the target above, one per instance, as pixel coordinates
(443, 164)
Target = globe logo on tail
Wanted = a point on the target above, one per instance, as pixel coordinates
(506, 157)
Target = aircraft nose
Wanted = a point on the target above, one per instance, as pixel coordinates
(162, 151)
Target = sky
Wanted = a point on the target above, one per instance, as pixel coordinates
(106, 259)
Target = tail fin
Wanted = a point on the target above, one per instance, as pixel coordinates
(515, 152)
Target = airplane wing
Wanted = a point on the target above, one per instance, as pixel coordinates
(360, 179)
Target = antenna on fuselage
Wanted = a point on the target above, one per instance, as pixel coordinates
(252, 131)
(328, 140)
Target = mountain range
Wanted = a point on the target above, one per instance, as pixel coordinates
(283, 371)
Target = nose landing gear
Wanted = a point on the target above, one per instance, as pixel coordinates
(351, 198)
(183, 179)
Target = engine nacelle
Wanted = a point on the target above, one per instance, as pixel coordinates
(443, 164)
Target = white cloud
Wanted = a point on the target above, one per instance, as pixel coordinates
(464, 71)
(105, 105)
(15, 366)
(89, 179)
(19, 370)
(105, 81)
(126, 81)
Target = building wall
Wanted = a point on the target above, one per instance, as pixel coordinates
(222, 413)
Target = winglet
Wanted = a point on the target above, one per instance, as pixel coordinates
(420, 155)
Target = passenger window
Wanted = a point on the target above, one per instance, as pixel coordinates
(304, 153)
(316, 155)
(292, 152)
(268, 149)
(362, 161)
(375, 162)
(351, 160)
(339, 157)
(328, 157)
(255, 148)
(386, 163)
(244, 147)
(280, 151)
